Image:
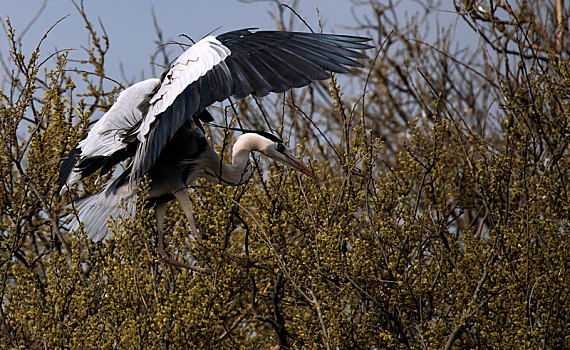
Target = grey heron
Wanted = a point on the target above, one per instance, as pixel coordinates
(157, 123)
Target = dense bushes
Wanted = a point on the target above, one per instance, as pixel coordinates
(440, 217)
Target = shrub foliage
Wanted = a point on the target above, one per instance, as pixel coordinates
(440, 216)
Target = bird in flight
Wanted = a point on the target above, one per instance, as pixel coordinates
(156, 124)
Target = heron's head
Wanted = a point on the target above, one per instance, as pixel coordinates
(273, 147)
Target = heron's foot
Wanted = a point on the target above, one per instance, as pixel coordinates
(159, 211)
(166, 258)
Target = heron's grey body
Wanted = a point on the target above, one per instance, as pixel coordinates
(173, 171)
(157, 122)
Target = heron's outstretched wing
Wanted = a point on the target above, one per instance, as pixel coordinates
(237, 64)
(105, 144)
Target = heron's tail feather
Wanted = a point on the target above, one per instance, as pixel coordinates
(93, 211)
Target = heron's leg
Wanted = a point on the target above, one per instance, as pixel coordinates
(184, 200)
(159, 212)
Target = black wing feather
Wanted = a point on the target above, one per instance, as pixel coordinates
(241, 85)
(67, 166)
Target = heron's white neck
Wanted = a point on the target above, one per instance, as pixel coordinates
(240, 170)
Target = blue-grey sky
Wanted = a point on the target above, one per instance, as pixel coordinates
(130, 28)
(129, 24)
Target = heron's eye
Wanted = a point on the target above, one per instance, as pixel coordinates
(280, 148)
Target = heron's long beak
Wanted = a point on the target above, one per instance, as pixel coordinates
(297, 164)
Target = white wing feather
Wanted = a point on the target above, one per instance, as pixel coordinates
(102, 139)
(189, 67)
